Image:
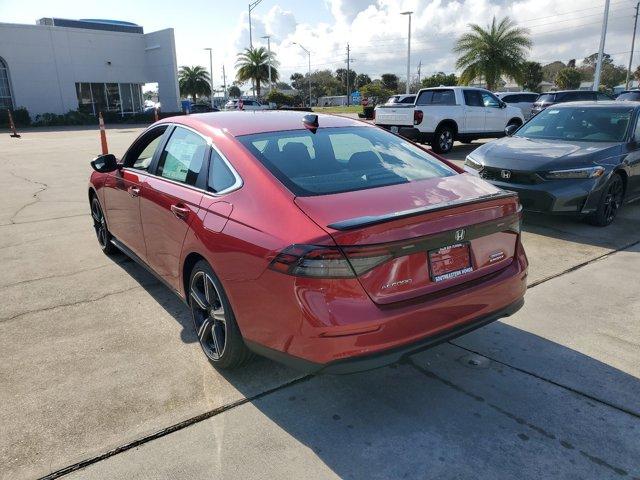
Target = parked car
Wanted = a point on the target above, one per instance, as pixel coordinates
(242, 104)
(445, 114)
(629, 96)
(316, 240)
(401, 99)
(551, 98)
(202, 108)
(523, 100)
(573, 158)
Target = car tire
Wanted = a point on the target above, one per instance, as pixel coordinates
(214, 321)
(610, 202)
(443, 139)
(515, 122)
(100, 226)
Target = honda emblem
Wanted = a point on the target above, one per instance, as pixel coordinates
(460, 235)
(506, 174)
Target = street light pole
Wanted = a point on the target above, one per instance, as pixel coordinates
(603, 36)
(633, 41)
(309, 55)
(251, 7)
(224, 84)
(268, 37)
(210, 73)
(409, 51)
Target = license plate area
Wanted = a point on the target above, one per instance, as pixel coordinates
(394, 129)
(451, 261)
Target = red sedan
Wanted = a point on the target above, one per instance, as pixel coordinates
(319, 241)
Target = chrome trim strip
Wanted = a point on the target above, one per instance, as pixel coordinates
(238, 183)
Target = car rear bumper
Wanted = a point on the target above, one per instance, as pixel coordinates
(387, 333)
(410, 133)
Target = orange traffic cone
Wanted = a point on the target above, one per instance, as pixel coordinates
(12, 125)
(103, 135)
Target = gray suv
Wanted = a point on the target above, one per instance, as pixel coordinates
(551, 98)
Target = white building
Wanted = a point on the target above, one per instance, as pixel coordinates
(60, 65)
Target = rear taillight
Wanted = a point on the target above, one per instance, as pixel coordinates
(417, 117)
(328, 262)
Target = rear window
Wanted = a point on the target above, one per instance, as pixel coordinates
(335, 160)
(629, 96)
(436, 97)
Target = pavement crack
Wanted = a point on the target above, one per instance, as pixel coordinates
(79, 302)
(173, 428)
(41, 188)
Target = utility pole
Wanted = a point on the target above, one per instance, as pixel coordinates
(251, 7)
(211, 74)
(268, 37)
(633, 41)
(409, 50)
(224, 84)
(603, 36)
(348, 75)
(309, 55)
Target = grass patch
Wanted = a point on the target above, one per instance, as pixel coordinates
(342, 109)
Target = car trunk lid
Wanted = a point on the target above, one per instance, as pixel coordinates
(423, 236)
(394, 115)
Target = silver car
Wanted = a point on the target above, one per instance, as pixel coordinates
(522, 100)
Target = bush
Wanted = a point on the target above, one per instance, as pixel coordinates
(74, 117)
(279, 99)
(20, 117)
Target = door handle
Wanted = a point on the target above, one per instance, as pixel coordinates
(180, 212)
(134, 191)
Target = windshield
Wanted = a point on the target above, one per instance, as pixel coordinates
(546, 98)
(337, 160)
(633, 96)
(581, 124)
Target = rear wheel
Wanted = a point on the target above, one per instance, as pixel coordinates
(610, 202)
(443, 139)
(214, 321)
(100, 226)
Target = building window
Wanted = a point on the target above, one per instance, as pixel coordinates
(109, 97)
(5, 89)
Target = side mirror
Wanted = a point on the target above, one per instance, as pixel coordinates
(511, 129)
(105, 163)
(503, 105)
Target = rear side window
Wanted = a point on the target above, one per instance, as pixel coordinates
(220, 176)
(473, 98)
(547, 98)
(410, 99)
(181, 160)
(629, 96)
(511, 98)
(337, 160)
(436, 97)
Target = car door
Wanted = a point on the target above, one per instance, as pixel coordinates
(474, 118)
(495, 116)
(124, 187)
(171, 200)
(633, 160)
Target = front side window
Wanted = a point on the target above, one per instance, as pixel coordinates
(547, 98)
(181, 159)
(579, 124)
(345, 159)
(141, 152)
(490, 100)
(473, 98)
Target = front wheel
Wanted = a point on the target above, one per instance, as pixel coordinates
(214, 321)
(443, 140)
(100, 226)
(610, 202)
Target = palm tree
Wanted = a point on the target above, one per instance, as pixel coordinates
(253, 64)
(490, 53)
(194, 81)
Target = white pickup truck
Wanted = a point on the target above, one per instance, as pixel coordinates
(444, 114)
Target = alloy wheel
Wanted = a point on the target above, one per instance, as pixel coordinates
(613, 199)
(446, 140)
(208, 315)
(99, 223)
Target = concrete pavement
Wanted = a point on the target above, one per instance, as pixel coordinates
(95, 355)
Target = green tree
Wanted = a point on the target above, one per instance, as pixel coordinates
(568, 79)
(390, 81)
(194, 81)
(550, 70)
(341, 76)
(489, 54)
(376, 91)
(438, 79)
(530, 76)
(234, 91)
(636, 74)
(362, 79)
(253, 65)
(279, 98)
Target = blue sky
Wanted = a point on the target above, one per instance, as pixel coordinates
(374, 28)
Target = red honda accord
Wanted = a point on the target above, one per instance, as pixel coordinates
(319, 241)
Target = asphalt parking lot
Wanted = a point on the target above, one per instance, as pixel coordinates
(102, 375)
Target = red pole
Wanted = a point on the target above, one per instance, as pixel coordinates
(103, 135)
(12, 125)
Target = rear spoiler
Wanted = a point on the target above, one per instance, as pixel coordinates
(368, 220)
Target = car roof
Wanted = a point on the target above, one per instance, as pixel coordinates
(515, 93)
(594, 104)
(236, 123)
